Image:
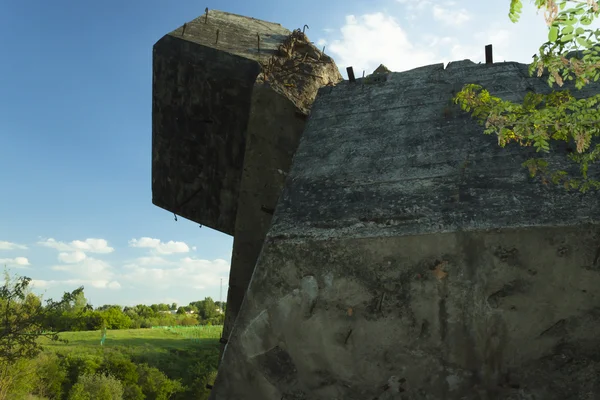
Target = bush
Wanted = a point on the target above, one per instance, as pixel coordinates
(156, 385)
(97, 387)
(17, 379)
(51, 376)
(77, 365)
(133, 392)
(119, 366)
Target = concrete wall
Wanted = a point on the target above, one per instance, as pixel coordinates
(410, 257)
(272, 142)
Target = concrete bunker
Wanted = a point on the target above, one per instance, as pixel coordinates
(408, 256)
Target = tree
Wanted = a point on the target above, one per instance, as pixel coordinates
(23, 319)
(115, 318)
(97, 387)
(207, 309)
(571, 53)
(173, 307)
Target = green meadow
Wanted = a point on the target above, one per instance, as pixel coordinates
(155, 363)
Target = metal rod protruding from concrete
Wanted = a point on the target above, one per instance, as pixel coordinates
(183, 30)
(258, 41)
(305, 27)
(206, 17)
(350, 72)
(216, 41)
(489, 57)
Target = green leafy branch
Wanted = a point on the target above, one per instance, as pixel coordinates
(556, 116)
(539, 119)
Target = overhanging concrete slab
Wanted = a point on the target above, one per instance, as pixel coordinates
(203, 76)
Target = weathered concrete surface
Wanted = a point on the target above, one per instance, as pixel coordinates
(201, 98)
(227, 119)
(412, 258)
(281, 99)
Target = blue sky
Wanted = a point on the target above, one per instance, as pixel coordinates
(75, 127)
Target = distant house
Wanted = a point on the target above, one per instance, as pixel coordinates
(219, 310)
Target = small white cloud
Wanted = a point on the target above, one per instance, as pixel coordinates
(189, 272)
(98, 284)
(450, 17)
(11, 246)
(194, 248)
(16, 262)
(73, 257)
(169, 247)
(103, 284)
(114, 285)
(93, 245)
(88, 269)
(39, 283)
(90, 245)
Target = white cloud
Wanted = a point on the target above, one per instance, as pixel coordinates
(366, 41)
(17, 261)
(114, 285)
(98, 284)
(93, 245)
(88, 268)
(450, 17)
(188, 272)
(71, 258)
(90, 245)
(361, 45)
(11, 246)
(169, 247)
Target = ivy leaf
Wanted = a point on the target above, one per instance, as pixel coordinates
(553, 34)
(584, 42)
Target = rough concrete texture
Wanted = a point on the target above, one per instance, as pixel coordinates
(202, 90)
(410, 257)
(281, 99)
(227, 119)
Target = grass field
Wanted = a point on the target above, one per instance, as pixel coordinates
(138, 341)
(189, 354)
